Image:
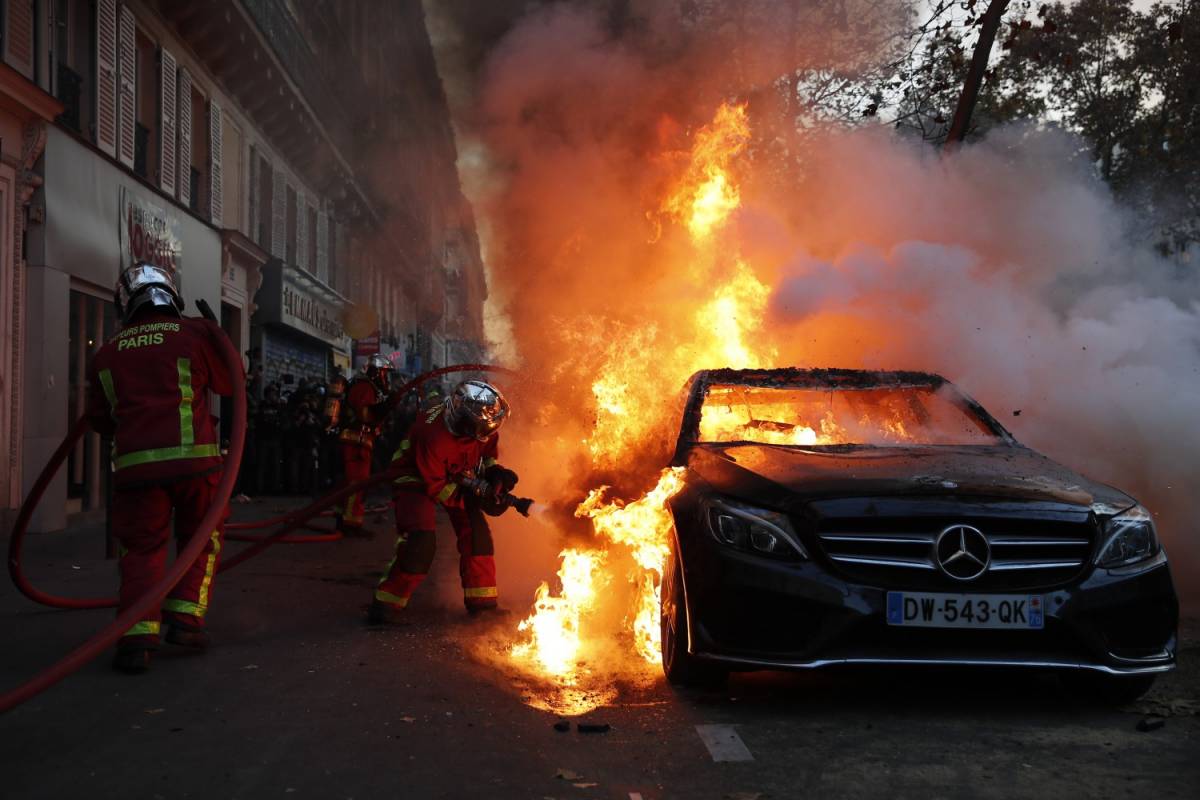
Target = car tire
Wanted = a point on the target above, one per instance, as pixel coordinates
(680, 666)
(1113, 690)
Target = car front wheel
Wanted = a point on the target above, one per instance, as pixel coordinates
(680, 666)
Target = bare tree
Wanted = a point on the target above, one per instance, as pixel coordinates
(979, 62)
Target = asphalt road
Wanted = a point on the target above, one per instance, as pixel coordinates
(298, 698)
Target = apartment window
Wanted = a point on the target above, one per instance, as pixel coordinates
(198, 197)
(331, 254)
(73, 64)
(311, 244)
(289, 250)
(263, 235)
(145, 152)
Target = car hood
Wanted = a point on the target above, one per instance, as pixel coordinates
(782, 475)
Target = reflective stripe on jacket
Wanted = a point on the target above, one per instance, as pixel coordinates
(432, 459)
(148, 389)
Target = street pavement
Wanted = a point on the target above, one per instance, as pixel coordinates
(299, 698)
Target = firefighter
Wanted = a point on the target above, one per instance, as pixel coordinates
(449, 458)
(367, 404)
(433, 398)
(148, 388)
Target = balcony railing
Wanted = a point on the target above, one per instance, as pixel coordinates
(279, 29)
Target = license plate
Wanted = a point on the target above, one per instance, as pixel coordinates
(936, 610)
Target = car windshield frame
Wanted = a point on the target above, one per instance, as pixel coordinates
(827, 380)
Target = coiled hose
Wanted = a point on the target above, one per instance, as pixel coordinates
(107, 636)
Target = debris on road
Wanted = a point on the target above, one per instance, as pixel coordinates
(562, 726)
(249, 667)
(1150, 724)
(565, 774)
(155, 710)
(593, 727)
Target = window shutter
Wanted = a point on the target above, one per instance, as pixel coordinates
(279, 214)
(214, 167)
(255, 201)
(167, 111)
(183, 123)
(302, 233)
(106, 77)
(127, 98)
(322, 265)
(18, 36)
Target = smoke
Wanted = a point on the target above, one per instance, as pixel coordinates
(1008, 268)
(1005, 266)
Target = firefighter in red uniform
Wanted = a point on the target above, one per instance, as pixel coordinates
(367, 404)
(448, 459)
(148, 388)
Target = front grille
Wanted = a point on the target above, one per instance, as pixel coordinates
(898, 553)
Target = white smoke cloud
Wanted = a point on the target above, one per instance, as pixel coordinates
(1009, 269)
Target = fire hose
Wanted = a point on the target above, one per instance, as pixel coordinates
(83, 654)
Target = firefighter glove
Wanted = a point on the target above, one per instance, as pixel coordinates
(504, 479)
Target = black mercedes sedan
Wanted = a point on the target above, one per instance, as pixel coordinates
(850, 517)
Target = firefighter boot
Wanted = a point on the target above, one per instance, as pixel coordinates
(132, 659)
(184, 635)
(351, 530)
(385, 614)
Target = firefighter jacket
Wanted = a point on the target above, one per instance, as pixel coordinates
(433, 459)
(148, 388)
(364, 411)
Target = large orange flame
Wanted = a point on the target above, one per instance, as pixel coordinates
(629, 406)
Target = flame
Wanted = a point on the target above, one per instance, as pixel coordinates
(707, 195)
(554, 639)
(644, 526)
(630, 406)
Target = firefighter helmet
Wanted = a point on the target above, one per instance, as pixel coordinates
(379, 370)
(475, 409)
(144, 284)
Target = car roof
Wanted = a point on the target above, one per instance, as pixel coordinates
(792, 377)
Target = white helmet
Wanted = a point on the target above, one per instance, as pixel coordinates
(475, 409)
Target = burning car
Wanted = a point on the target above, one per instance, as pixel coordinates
(848, 517)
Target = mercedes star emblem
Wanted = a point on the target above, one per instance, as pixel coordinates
(962, 552)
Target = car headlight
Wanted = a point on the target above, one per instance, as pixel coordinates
(757, 530)
(1129, 538)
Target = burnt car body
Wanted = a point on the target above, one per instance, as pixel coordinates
(804, 555)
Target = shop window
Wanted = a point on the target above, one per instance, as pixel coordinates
(145, 153)
(92, 321)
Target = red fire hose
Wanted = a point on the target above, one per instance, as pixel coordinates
(110, 634)
(152, 599)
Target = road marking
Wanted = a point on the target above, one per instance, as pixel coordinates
(723, 743)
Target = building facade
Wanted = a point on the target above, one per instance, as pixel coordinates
(217, 137)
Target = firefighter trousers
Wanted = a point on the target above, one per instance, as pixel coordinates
(416, 544)
(356, 462)
(141, 522)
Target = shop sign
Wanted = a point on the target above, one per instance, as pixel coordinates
(149, 233)
(367, 346)
(303, 311)
(283, 301)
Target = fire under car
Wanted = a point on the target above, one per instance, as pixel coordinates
(835, 517)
